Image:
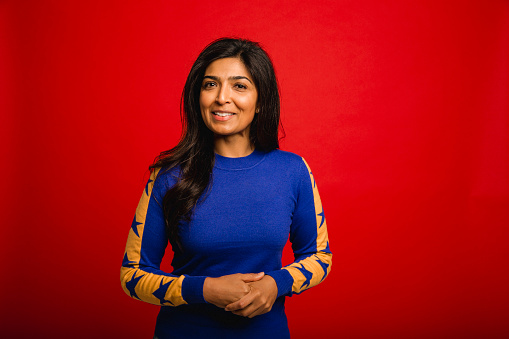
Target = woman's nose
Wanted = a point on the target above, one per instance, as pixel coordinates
(223, 95)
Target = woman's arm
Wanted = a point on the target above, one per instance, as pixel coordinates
(310, 241)
(141, 276)
(310, 244)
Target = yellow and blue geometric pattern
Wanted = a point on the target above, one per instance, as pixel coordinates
(312, 270)
(152, 288)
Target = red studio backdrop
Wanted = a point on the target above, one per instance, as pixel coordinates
(401, 108)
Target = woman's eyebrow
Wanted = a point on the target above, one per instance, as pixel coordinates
(236, 77)
(239, 77)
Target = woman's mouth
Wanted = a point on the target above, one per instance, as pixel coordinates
(222, 114)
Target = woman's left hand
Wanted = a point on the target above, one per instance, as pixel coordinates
(258, 301)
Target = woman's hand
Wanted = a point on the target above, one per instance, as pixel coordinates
(258, 301)
(228, 289)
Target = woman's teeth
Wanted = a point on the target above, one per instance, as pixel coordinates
(222, 114)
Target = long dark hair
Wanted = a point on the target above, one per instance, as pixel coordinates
(194, 154)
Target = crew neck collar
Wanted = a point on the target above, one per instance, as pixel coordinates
(239, 163)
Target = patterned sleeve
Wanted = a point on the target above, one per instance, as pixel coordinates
(309, 238)
(140, 274)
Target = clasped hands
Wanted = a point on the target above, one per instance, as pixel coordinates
(247, 295)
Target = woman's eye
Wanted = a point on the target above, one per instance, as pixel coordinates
(240, 86)
(208, 84)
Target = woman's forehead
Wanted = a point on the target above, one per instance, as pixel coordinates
(227, 68)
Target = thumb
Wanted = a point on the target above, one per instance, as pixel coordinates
(250, 277)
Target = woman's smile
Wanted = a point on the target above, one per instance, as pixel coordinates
(222, 115)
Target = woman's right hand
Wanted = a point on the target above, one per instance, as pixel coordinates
(227, 289)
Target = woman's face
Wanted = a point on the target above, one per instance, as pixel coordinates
(228, 98)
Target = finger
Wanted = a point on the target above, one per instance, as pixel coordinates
(250, 277)
(242, 302)
(251, 311)
(245, 312)
(261, 310)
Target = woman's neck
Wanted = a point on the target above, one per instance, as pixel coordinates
(233, 147)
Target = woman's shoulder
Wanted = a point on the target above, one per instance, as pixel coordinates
(288, 162)
(164, 177)
(289, 166)
(289, 158)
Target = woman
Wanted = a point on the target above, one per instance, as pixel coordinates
(227, 199)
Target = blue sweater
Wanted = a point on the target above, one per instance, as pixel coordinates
(240, 226)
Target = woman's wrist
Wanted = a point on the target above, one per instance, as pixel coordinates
(192, 289)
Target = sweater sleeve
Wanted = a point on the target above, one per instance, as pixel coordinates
(140, 274)
(309, 238)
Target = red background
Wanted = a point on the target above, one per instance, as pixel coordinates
(400, 107)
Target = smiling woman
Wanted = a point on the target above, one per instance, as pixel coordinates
(227, 200)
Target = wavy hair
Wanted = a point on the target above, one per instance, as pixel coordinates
(194, 153)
